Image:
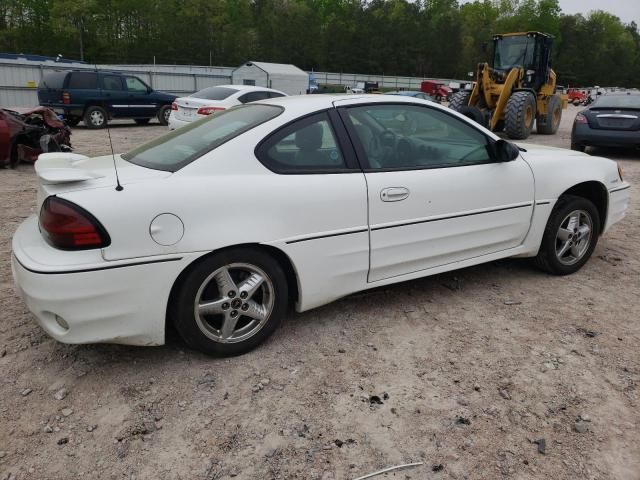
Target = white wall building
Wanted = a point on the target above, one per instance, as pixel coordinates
(287, 78)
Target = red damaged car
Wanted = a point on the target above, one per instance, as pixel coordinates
(26, 133)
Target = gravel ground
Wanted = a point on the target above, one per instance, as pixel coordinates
(462, 371)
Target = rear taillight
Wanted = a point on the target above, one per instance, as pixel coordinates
(66, 98)
(67, 226)
(580, 118)
(208, 110)
(174, 106)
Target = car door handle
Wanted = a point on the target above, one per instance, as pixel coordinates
(394, 194)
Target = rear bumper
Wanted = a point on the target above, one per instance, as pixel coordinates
(110, 302)
(174, 123)
(586, 136)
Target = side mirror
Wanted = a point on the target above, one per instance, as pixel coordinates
(505, 151)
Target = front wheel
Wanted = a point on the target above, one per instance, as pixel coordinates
(570, 236)
(230, 302)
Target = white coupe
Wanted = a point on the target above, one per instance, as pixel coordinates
(219, 226)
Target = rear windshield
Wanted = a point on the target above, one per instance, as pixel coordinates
(173, 151)
(618, 101)
(53, 80)
(214, 93)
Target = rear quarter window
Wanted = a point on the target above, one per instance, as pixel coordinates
(83, 80)
(53, 80)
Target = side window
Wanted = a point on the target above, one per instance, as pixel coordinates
(410, 136)
(275, 95)
(308, 145)
(83, 80)
(135, 85)
(112, 82)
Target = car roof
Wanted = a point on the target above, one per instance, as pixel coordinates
(243, 88)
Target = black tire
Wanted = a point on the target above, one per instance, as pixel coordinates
(549, 123)
(163, 115)
(72, 121)
(141, 121)
(459, 100)
(182, 312)
(547, 258)
(520, 115)
(95, 117)
(578, 148)
(474, 114)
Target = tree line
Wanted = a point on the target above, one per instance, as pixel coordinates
(432, 38)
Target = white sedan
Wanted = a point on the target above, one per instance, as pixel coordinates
(208, 101)
(219, 226)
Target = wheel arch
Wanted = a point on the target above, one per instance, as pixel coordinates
(595, 192)
(281, 257)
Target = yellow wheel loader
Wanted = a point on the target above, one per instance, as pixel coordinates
(518, 90)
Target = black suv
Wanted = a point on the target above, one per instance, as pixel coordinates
(95, 97)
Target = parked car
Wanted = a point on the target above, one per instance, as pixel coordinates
(412, 93)
(577, 97)
(437, 90)
(211, 100)
(27, 132)
(95, 97)
(220, 225)
(613, 120)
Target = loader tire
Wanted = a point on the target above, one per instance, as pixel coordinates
(549, 123)
(459, 100)
(474, 114)
(520, 115)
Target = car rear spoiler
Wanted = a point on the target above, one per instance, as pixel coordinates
(61, 167)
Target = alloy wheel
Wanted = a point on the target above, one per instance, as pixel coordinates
(574, 237)
(234, 303)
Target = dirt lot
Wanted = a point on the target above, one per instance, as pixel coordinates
(469, 368)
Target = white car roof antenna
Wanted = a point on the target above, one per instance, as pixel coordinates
(119, 187)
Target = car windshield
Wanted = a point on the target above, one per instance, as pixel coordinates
(214, 93)
(512, 51)
(174, 150)
(618, 101)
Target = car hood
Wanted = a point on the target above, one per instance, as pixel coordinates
(67, 172)
(534, 150)
(164, 96)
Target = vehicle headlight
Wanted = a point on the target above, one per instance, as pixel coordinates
(620, 173)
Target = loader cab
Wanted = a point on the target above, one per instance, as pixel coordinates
(530, 51)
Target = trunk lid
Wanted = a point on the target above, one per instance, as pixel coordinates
(67, 172)
(188, 107)
(613, 119)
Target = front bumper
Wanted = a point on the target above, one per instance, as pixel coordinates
(105, 301)
(619, 198)
(586, 136)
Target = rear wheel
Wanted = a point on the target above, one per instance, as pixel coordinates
(95, 117)
(164, 114)
(230, 302)
(142, 121)
(549, 123)
(72, 121)
(578, 148)
(520, 115)
(570, 236)
(459, 100)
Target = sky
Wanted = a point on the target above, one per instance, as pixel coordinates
(627, 10)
